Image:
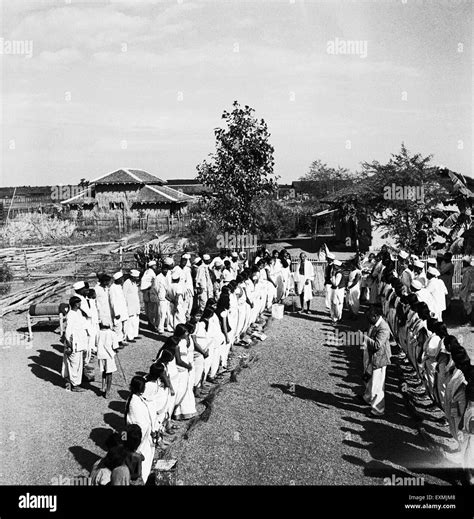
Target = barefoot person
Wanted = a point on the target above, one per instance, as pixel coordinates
(76, 340)
(336, 296)
(303, 277)
(132, 298)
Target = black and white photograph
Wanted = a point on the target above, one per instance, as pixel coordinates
(236, 250)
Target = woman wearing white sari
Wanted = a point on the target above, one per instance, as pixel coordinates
(241, 299)
(185, 404)
(201, 343)
(336, 297)
(283, 279)
(157, 394)
(138, 411)
(167, 356)
(217, 338)
(353, 289)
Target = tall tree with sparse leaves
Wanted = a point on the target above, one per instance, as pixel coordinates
(240, 172)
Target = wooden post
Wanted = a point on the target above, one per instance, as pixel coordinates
(26, 264)
(121, 257)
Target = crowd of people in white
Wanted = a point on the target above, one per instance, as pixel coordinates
(207, 305)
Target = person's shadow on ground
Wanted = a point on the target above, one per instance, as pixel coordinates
(47, 366)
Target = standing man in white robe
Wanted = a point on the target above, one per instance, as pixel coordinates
(132, 298)
(119, 307)
(160, 288)
(419, 272)
(151, 306)
(176, 297)
(438, 291)
(82, 290)
(423, 295)
(103, 301)
(304, 276)
(76, 340)
(204, 288)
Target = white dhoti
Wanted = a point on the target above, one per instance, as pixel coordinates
(131, 327)
(336, 302)
(72, 367)
(163, 316)
(353, 299)
(187, 407)
(328, 296)
(375, 391)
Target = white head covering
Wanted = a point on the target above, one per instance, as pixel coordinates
(234, 255)
(338, 263)
(431, 261)
(135, 273)
(151, 263)
(467, 259)
(117, 275)
(186, 256)
(227, 276)
(168, 261)
(206, 257)
(414, 257)
(330, 255)
(403, 254)
(418, 264)
(197, 260)
(433, 271)
(78, 285)
(416, 284)
(218, 262)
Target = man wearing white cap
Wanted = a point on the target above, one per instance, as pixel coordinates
(419, 272)
(438, 291)
(82, 290)
(243, 261)
(160, 288)
(215, 273)
(176, 297)
(150, 303)
(423, 295)
(132, 298)
(327, 277)
(204, 288)
(467, 288)
(118, 306)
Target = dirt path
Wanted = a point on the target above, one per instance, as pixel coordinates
(315, 432)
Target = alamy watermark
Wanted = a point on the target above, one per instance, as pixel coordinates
(413, 481)
(70, 191)
(347, 47)
(396, 192)
(236, 241)
(16, 47)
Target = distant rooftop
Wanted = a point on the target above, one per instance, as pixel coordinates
(128, 176)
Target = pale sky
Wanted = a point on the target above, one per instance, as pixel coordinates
(142, 84)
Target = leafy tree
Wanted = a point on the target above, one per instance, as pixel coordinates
(322, 179)
(275, 220)
(388, 194)
(240, 172)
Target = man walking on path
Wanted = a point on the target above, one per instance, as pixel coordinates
(151, 306)
(132, 298)
(377, 353)
(118, 306)
(304, 277)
